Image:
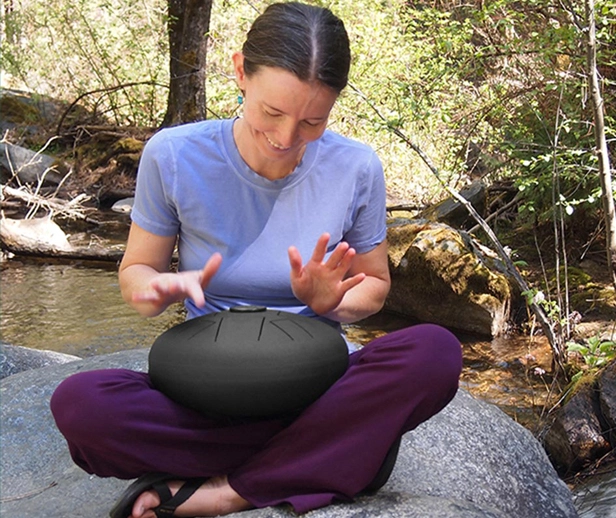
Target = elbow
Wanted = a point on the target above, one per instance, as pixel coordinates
(381, 296)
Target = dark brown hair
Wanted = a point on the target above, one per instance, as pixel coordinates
(309, 41)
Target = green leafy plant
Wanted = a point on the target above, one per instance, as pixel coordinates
(594, 351)
(552, 309)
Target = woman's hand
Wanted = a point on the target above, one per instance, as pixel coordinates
(166, 288)
(323, 284)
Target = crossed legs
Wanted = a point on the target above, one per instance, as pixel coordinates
(117, 424)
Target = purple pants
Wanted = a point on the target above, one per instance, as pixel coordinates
(116, 424)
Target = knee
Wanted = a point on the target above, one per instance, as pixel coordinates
(440, 352)
(428, 352)
(439, 348)
(84, 402)
(70, 403)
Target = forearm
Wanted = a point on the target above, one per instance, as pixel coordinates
(135, 279)
(365, 299)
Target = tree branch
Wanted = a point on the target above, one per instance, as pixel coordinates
(537, 310)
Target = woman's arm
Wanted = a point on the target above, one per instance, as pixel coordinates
(145, 280)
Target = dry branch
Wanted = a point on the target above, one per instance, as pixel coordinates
(72, 209)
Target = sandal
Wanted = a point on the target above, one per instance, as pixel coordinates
(386, 468)
(156, 481)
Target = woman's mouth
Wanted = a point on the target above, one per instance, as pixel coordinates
(274, 145)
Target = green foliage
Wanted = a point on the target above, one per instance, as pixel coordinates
(595, 353)
(67, 48)
(504, 76)
(551, 307)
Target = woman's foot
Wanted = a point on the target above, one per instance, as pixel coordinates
(215, 497)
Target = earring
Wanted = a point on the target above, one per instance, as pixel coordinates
(240, 100)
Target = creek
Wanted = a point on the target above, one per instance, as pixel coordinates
(77, 309)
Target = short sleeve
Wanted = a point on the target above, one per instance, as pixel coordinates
(368, 227)
(154, 209)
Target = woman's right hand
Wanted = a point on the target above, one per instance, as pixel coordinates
(164, 289)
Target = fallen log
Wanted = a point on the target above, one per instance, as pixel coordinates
(41, 237)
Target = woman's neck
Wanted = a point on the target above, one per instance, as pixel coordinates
(267, 168)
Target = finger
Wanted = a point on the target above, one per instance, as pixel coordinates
(145, 296)
(321, 248)
(171, 287)
(351, 282)
(195, 292)
(210, 269)
(339, 256)
(295, 260)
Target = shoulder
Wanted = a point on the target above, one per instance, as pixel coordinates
(192, 133)
(340, 147)
(352, 156)
(331, 138)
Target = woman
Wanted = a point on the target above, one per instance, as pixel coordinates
(269, 209)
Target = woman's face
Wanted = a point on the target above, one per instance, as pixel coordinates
(281, 113)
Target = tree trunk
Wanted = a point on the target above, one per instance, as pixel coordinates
(189, 24)
(600, 139)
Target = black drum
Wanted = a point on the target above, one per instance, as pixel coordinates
(247, 362)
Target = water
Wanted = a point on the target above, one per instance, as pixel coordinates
(77, 309)
(74, 309)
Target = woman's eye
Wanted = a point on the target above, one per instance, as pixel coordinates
(269, 114)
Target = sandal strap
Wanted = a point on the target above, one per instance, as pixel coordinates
(163, 491)
(170, 504)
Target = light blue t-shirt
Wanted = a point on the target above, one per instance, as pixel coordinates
(192, 182)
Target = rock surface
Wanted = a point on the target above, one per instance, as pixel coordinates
(440, 275)
(29, 166)
(14, 359)
(582, 430)
(451, 212)
(471, 460)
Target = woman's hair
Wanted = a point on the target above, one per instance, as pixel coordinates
(306, 40)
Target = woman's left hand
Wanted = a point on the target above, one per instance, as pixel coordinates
(320, 284)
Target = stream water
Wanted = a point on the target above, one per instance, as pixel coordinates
(77, 309)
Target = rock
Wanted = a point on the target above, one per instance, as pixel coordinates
(575, 437)
(14, 359)
(451, 212)
(29, 166)
(607, 400)
(471, 460)
(124, 206)
(26, 108)
(440, 275)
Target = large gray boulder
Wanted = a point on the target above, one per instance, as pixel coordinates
(14, 359)
(469, 461)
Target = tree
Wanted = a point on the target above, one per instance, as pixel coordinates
(188, 27)
(600, 139)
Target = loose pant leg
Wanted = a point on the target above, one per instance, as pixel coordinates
(117, 425)
(335, 447)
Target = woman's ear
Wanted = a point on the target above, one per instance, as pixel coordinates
(238, 67)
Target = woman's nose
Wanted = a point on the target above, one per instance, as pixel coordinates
(287, 133)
